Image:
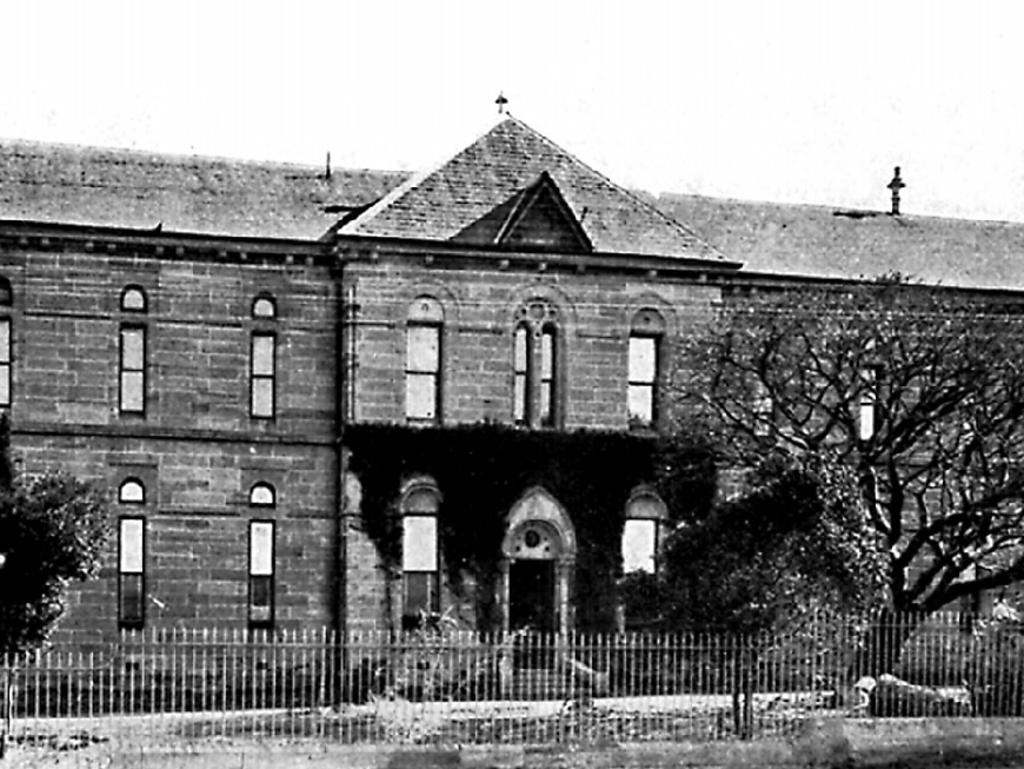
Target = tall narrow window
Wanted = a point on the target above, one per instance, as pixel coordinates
(643, 380)
(261, 574)
(868, 404)
(262, 374)
(644, 368)
(133, 370)
(5, 362)
(420, 588)
(521, 375)
(548, 384)
(6, 300)
(423, 361)
(131, 581)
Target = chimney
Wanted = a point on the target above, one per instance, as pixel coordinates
(896, 185)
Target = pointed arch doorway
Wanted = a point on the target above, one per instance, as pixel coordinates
(538, 556)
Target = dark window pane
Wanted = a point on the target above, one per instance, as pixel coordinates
(421, 597)
(132, 600)
(261, 600)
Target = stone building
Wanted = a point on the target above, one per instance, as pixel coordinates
(216, 342)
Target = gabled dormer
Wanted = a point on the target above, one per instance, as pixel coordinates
(533, 218)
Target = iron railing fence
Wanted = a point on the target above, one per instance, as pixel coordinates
(459, 687)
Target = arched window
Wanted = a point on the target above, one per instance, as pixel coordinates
(548, 385)
(646, 332)
(6, 344)
(536, 365)
(262, 495)
(132, 358)
(131, 569)
(645, 514)
(264, 307)
(521, 375)
(420, 583)
(132, 492)
(133, 299)
(423, 360)
(262, 564)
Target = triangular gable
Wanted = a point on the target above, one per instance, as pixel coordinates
(477, 191)
(536, 217)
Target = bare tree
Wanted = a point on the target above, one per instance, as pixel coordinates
(919, 390)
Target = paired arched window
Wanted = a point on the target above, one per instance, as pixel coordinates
(420, 556)
(536, 365)
(423, 340)
(646, 333)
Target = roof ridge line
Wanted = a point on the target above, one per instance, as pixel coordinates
(633, 196)
(12, 143)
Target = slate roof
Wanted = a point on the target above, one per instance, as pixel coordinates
(126, 188)
(441, 203)
(830, 242)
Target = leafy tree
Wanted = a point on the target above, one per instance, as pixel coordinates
(793, 547)
(919, 390)
(52, 531)
(794, 542)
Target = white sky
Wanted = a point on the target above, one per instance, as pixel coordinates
(792, 101)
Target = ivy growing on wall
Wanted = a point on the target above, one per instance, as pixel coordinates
(482, 470)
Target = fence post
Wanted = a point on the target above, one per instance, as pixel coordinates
(8, 704)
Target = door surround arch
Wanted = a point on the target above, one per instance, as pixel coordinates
(537, 528)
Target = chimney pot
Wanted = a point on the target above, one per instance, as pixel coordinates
(895, 186)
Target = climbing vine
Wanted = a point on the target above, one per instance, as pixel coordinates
(482, 470)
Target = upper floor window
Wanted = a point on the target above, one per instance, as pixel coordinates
(132, 370)
(264, 307)
(262, 375)
(868, 407)
(5, 362)
(262, 495)
(423, 360)
(537, 365)
(644, 368)
(133, 299)
(521, 375)
(420, 584)
(6, 293)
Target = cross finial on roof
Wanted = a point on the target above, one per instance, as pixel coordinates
(501, 101)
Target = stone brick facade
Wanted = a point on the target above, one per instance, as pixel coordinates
(195, 449)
